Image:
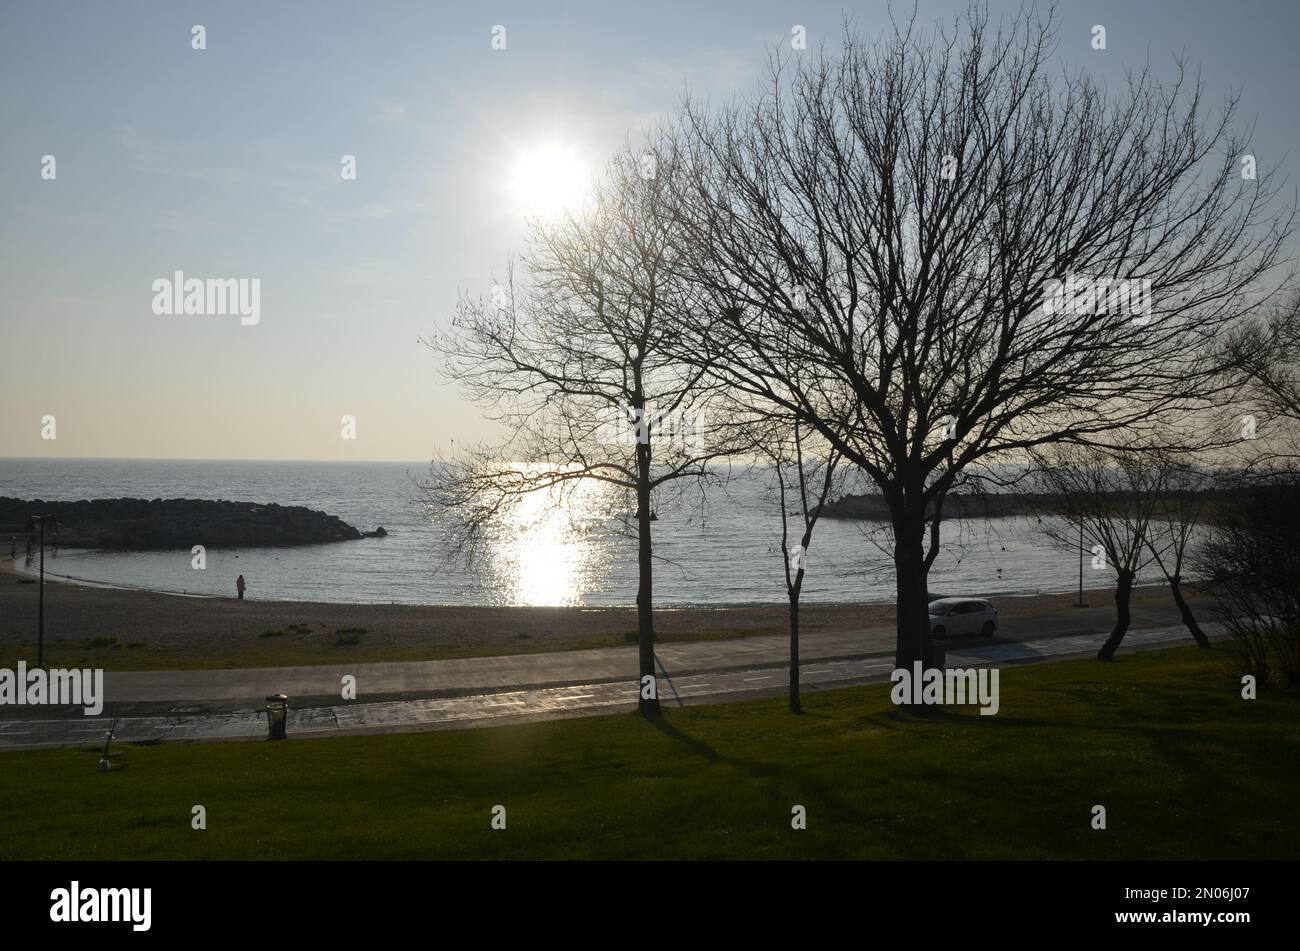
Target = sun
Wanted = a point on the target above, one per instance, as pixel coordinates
(549, 180)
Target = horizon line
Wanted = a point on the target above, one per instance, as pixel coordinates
(196, 459)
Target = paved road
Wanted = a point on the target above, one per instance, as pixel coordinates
(544, 702)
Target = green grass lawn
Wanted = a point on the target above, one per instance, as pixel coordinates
(1184, 767)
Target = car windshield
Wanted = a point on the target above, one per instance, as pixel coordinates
(938, 608)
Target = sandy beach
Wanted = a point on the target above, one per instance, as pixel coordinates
(134, 629)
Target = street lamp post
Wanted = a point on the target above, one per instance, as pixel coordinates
(32, 522)
(1081, 604)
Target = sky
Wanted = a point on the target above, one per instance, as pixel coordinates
(226, 162)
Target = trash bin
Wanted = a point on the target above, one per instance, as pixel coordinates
(277, 715)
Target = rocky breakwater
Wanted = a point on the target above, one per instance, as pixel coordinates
(141, 525)
(975, 505)
(956, 506)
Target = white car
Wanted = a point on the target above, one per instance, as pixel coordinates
(955, 617)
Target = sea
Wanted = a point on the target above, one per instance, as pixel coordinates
(714, 546)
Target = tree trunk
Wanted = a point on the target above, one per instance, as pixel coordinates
(912, 592)
(1123, 594)
(1176, 586)
(794, 650)
(648, 706)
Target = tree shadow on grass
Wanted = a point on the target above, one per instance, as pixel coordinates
(832, 798)
(896, 721)
(705, 751)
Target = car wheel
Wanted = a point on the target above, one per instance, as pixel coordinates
(939, 633)
(988, 629)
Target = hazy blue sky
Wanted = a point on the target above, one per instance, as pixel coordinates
(225, 162)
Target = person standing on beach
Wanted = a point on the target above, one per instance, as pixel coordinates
(239, 586)
(13, 548)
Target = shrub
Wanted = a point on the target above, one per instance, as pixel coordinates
(348, 636)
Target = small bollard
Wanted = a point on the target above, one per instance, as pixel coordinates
(104, 761)
(277, 715)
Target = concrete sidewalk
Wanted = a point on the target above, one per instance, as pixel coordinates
(454, 677)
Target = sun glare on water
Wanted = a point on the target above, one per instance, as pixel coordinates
(544, 554)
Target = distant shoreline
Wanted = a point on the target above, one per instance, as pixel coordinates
(871, 507)
(16, 567)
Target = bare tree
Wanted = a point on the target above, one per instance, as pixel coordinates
(576, 365)
(1264, 354)
(1176, 523)
(937, 252)
(1113, 497)
(1268, 351)
(807, 476)
(1250, 567)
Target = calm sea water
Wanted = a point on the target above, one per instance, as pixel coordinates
(727, 554)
